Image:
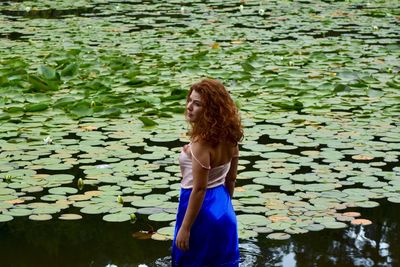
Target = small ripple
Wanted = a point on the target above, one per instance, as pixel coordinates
(250, 248)
(363, 262)
(163, 262)
(248, 254)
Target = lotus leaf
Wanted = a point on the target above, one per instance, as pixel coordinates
(68, 216)
(278, 236)
(117, 217)
(162, 217)
(40, 217)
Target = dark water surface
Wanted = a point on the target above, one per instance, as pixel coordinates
(93, 242)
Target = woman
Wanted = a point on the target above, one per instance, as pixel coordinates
(206, 227)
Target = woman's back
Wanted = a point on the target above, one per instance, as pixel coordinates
(221, 154)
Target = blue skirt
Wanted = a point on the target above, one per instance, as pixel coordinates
(213, 236)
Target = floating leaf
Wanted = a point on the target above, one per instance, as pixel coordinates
(117, 217)
(395, 199)
(252, 219)
(278, 236)
(40, 217)
(5, 218)
(361, 222)
(334, 225)
(63, 190)
(142, 235)
(147, 121)
(315, 227)
(162, 217)
(18, 212)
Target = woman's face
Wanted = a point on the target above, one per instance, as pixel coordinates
(194, 107)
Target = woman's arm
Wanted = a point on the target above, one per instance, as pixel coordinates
(200, 174)
(230, 178)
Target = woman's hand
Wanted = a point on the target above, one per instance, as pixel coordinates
(182, 239)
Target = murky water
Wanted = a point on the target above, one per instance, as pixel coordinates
(93, 242)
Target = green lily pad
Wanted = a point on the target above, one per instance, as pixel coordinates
(278, 236)
(63, 190)
(6, 218)
(95, 209)
(169, 230)
(70, 217)
(367, 204)
(247, 234)
(395, 199)
(18, 212)
(147, 203)
(252, 220)
(334, 225)
(315, 227)
(271, 181)
(162, 217)
(40, 217)
(7, 191)
(117, 217)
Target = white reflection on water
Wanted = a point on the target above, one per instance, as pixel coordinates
(249, 253)
(383, 249)
(384, 245)
(163, 262)
(361, 242)
(289, 260)
(358, 244)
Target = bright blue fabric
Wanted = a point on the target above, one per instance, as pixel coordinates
(213, 236)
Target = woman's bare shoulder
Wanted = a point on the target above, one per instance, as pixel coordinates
(201, 154)
(201, 146)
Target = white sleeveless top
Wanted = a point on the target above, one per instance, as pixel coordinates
(216, 175)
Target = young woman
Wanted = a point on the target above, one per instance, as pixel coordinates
(206, 227)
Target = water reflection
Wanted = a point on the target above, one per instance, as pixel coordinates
(249, 253)
(91, 242)
(372, 245)
(163, 262)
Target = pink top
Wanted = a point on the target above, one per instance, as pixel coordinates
(216, 176)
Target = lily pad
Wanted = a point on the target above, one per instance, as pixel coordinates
(334, 225)
(361, 222)
(6, 218)
(63, 190)
(117, 217)
(278, 236)
(70, 216)
(162, 217)
(40, 217)
(252, 220)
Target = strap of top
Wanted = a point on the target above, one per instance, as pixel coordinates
(203, 166)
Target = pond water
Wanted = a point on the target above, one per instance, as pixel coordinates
(93, 242)
(91, 124)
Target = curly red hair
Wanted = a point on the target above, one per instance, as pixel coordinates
(220, 120)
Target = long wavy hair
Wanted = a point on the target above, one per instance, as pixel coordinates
(220, 120)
